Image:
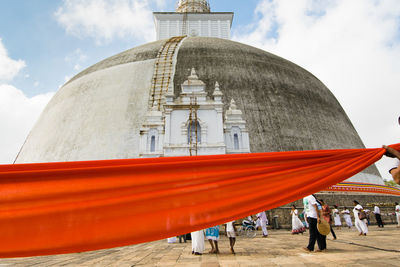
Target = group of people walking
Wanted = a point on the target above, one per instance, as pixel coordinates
(332, 216)
(212, 235)
(314, 211)
(317, 210)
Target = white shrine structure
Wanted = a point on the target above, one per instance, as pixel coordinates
(193, 18)
(193, 124)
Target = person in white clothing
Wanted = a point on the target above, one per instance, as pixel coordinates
(231, 233)
(359, 223)
(262, 221)
(397, 210)
(336, 217)
(347, 217)
(313, 217)
(297, 225)
(377, 212)
(197, 242)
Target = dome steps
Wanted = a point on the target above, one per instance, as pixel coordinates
(163, 72)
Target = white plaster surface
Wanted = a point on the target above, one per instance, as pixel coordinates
(192, 104)
(366, 178)
(97, 116)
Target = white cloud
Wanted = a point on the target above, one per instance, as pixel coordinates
(76, 56)
(353, 47)
(75, 59)
(9, 68)
(18, 113)
(105, 20)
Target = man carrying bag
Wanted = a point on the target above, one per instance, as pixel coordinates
(313, 214)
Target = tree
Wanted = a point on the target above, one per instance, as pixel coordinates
(391, 183)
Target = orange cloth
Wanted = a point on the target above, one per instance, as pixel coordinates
(53, 208)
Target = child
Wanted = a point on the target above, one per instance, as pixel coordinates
(231, 233)
(212, 234)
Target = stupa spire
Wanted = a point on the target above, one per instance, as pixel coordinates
(195, 6)
(193, 18)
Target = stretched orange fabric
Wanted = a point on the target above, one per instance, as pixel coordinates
(54, 208)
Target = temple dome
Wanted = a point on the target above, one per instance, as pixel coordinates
(99, 113)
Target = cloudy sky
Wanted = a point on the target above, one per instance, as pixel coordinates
(351, 46)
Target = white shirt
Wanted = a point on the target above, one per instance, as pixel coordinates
(346, 212)
(309, 203)
(377, 210)
(397, 209)
(229, 227)
(335, 212)
(356, 210)
(262, 216)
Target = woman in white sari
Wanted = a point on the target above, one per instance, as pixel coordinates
(347, 217)
(336, 217)
(359, 222)
(297, 225)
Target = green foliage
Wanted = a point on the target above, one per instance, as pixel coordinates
(390, 183)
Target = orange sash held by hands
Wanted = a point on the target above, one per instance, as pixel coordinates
(54, 208)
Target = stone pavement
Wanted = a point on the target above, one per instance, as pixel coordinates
(379, 248)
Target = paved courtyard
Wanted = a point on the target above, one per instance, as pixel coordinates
(380, 248)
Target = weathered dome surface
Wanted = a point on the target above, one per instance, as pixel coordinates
(286, 107)
(99, 112)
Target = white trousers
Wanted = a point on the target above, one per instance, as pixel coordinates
(198, 241)
(263, 225)
(361, 226)
(398, 219)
